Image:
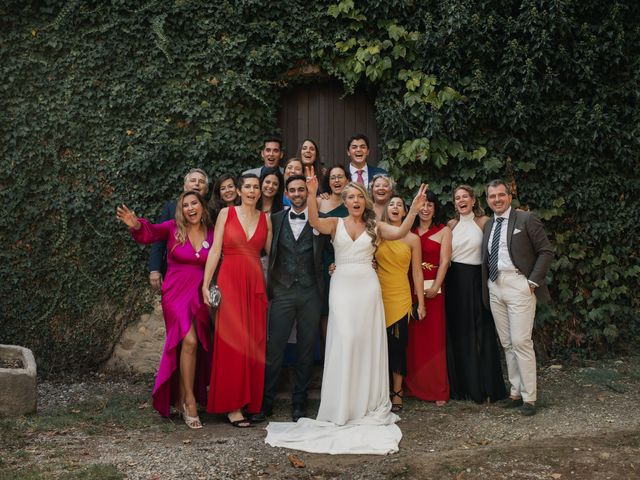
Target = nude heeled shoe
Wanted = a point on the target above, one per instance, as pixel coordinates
(192, 422)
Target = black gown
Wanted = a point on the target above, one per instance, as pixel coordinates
(473, 356)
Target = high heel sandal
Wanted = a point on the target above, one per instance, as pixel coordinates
(396, 407)
(192, 422)
(241, 423)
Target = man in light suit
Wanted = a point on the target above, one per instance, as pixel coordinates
(516, 257)
(358, 152)
(271, 155)
(295, 290)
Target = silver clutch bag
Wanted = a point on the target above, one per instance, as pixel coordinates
(215, 295)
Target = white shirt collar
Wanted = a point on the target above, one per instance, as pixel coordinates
(353, 169)
(505, 215)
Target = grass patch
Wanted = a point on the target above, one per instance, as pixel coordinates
(598, 376)
(97, 471)
(97, 416)
(88, 472)
(603, 377)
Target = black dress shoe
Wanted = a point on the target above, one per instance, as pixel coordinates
(260, 416)
(512, 403)
(528, 409)
(298, 412)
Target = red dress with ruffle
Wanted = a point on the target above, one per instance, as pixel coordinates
(426, 352)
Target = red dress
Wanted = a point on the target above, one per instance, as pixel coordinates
(239, 342)
(426, 353)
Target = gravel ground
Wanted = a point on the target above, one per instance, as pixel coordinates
(587, 426)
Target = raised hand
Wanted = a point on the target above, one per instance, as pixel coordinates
(312, 181)
(127, 217)
(420, 199)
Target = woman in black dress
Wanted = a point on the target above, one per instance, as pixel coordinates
(473, 358)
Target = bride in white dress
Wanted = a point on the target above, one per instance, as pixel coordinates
(355, 409)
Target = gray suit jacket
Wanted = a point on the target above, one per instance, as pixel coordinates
(529, 249)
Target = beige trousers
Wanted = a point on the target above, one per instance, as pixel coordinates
(513, 307)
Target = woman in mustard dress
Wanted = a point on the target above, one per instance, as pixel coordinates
(396, 259)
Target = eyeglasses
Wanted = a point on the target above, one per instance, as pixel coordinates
(333, 178)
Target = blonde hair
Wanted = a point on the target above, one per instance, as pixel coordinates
(390, 181)
(181, 221)
(369, 215)
(478, 211)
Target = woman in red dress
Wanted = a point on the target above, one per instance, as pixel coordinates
(426, 353)
(239, 342)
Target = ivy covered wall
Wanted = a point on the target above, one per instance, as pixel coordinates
(105, 102)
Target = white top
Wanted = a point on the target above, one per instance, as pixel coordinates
(467, 241)
(504, 259)
(297, 224)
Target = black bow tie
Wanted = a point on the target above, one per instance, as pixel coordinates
(299, 216)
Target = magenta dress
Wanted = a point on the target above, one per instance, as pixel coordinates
(182, 305)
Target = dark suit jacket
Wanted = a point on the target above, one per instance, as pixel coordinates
(158, 258)
(372, 172)
(529, 249)
(277, 221)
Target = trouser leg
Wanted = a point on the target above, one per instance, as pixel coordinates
(500, 314)
(282, 311)
(309, 306)
(522, 311)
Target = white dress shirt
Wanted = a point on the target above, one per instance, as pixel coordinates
(365, 174)
(504, 259)
(297, 225)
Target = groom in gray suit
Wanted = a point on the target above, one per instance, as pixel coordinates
(295, 289)
(516, 257)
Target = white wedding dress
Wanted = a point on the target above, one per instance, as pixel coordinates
(355, 410)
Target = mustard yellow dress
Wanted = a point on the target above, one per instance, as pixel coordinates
(394, 261)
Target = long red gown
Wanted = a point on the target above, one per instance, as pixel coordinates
(426, 353)
(240, 335)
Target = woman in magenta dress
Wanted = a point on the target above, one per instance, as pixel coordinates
(186, 359)
(240, 333)
(426, 353)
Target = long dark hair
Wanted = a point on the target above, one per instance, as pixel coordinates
(317, 164)
(437, 213)
(277, 200)
(216, 203)
(326, 181)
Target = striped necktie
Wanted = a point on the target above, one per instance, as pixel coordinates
(495, 247)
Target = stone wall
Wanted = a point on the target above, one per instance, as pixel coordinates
(140, 346)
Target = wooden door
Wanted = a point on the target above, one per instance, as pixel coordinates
(320, 112)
